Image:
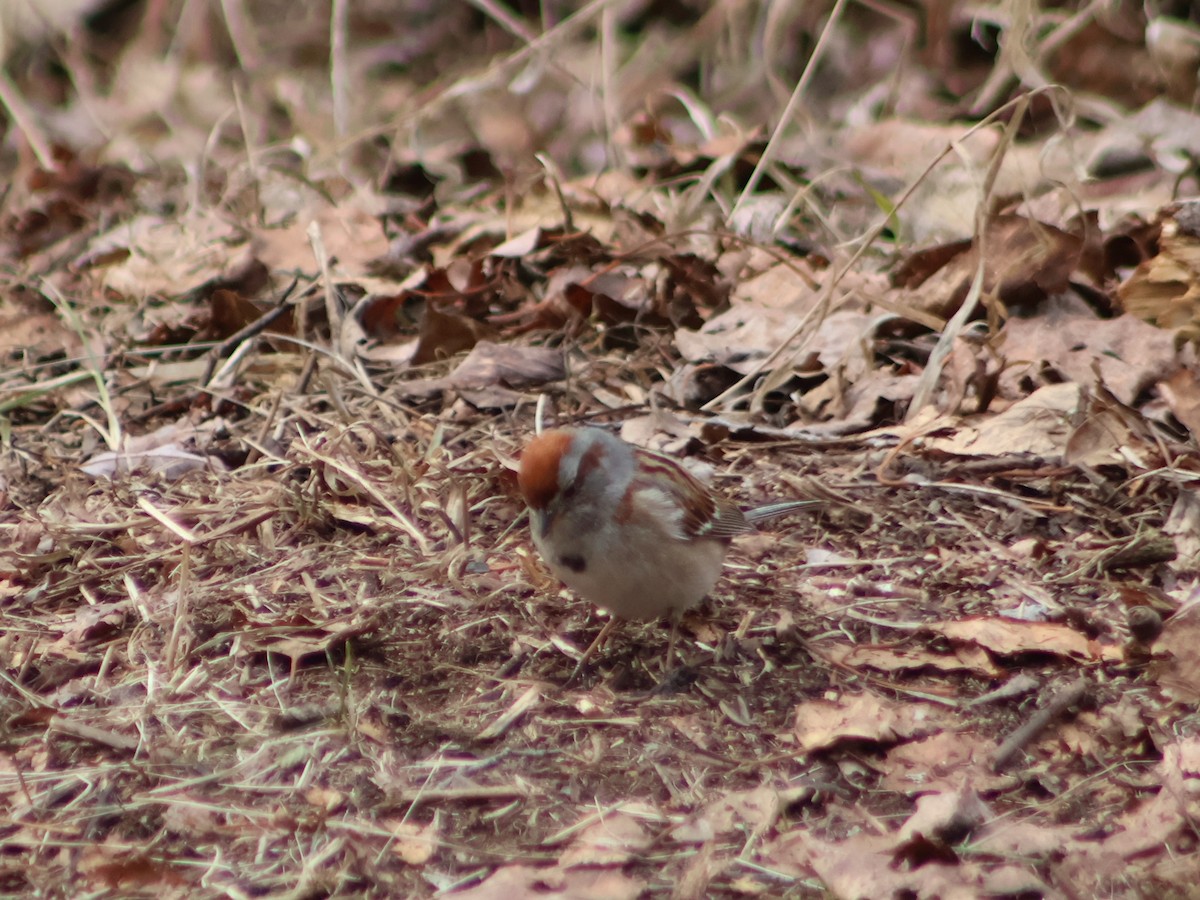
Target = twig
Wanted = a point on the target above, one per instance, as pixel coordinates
(100, 736)
(246, 332)
(1060, 703)
(522, 705)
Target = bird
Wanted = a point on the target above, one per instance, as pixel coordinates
(630, 531)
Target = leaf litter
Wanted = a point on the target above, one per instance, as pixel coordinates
(272, 624)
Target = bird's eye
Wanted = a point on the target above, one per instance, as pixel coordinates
(569, 491)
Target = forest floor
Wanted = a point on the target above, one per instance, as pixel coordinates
(276, 321)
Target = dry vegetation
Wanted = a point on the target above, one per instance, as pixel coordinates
(277, 318)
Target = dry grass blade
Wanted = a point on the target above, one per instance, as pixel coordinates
(399, 518)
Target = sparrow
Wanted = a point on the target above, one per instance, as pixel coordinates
(626, 529)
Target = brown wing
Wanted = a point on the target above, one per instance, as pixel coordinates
(703, 515)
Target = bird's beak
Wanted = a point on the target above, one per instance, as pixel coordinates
(541, 520)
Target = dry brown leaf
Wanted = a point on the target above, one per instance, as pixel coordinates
(1080, 736)
(901, 659)
(169, 460)
(231, 311)
(1165, 289)
(698, 874)
(29, 328)
(1178, 674)
(324, 798)
(414, 843)
(96, 623)
(821, 724)
(1073, 344)
(352, 236)
(754, 810)
(169, 256)
(1038, 425)
(444, 333)
(508, 365)
(1104, 436)
(1012, 637)
(1026, 263)
(738, 339)
(492, 375)
(612, 841)
(899, 149)
(950, 816)
(509, 882)
(695, 730)
(1181, 391)
(1027, 839)
(193, 820)
(125, 871)
(940, 762)
(746, 334)
(1183, 527)
(865, 865)
(1151, 824)
(298, 641)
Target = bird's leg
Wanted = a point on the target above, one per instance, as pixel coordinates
(676, 615)
(592, 648)
(673, 680)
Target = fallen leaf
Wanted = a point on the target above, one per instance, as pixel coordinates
(1025, 263)
(1038, 425)
(1178, 671)
(509, 882)
(414, 844)
(866, 717)
(614, 840)
(1072, 343)
(901, 659)
(1181, 390)
(950, 816)
(1165, 289)
(1010, 637)
(940, 762)
(753, 810)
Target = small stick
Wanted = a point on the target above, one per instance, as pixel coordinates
(253, 329)
(1060, 703)
(592, 648)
